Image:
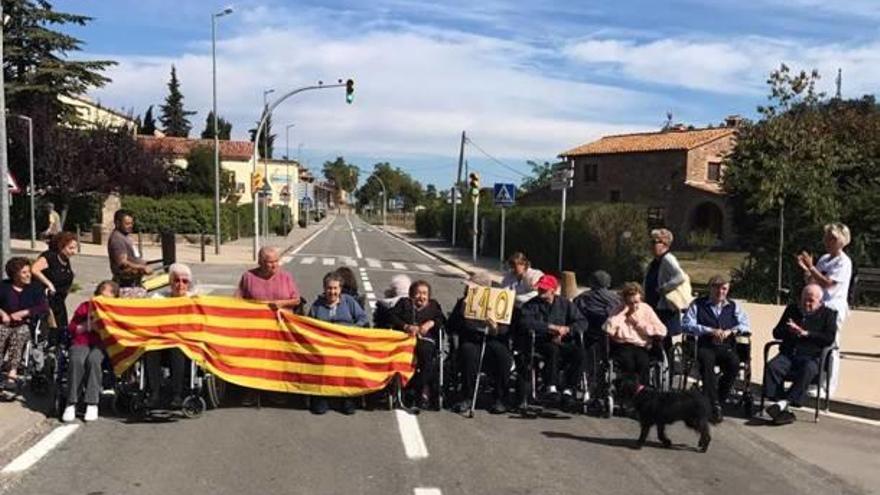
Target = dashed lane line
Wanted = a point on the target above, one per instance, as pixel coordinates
(424, 268)
(328, 261)
(424, 490)
(411, 435)
(308, 260)
(398, 266)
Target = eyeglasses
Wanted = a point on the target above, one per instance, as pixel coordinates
(181, 280)
(657, 241)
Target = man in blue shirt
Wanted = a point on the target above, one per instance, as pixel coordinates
(715, 321)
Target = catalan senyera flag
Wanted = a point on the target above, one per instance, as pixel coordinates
(252, 345)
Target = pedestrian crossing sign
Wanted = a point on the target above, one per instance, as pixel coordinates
(504, 194)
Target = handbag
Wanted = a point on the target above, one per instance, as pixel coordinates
(681, 296)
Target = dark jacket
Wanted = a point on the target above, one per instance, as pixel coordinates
(32, 297)
(821, 327)
(472, 330)
(537, 314)
(597, 305)
(404, 313)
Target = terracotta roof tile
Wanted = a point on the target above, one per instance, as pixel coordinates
(650, 141)
(180, 147)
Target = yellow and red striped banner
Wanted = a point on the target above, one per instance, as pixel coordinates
(249, 344)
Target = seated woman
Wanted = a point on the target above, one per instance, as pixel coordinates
(181, 279)
(334, 306)
(633, 328)
(397, 289)
(350, 284)
(421, 316)
(21, 302)
(86, 357)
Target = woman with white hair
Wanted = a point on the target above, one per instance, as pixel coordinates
(181, 279)
(397, 289)
(833, 273)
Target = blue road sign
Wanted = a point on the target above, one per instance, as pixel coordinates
(504, 194)
(306, 202)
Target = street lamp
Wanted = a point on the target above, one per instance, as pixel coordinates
(214, 17)
(267, 198)
(5, 243)
(384, 196)
(30, 124)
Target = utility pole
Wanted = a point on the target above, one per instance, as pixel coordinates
(5, 247)
(455, 187)
(214, 17)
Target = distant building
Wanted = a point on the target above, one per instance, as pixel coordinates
(675, 173)
(92, 114)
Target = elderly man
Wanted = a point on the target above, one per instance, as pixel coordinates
(269, 283)
(804, 330)
(555, 321)
(715, 321)
(126, 263)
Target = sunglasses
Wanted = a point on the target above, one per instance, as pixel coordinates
(657, 241)
(180, 280)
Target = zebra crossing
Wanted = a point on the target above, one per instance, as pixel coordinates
(372, 263)
(343, 228)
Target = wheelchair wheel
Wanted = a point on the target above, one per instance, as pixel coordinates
(215, 391)
(39, 384)
(748, 405)
(193, 406)
(609, 409)
(136, 407)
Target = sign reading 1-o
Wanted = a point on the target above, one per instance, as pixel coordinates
(483, 303)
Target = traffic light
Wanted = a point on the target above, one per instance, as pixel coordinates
(349, 91)
(256, 182)
(475, 184)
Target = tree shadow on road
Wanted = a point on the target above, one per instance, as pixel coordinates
(629, 443)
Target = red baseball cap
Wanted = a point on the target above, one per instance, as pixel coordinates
(547, 282)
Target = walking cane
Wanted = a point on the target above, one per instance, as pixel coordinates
(470, 413)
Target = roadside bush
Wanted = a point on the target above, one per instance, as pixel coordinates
(428, 222)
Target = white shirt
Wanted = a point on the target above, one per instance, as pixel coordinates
(839, 270)
(523, 287)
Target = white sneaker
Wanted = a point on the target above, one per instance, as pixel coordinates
(69, 414)
(91, 413)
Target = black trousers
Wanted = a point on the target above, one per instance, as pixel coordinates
(425, 365)
(568, 357)
(723, 356)
(800, 369)
(496, 362)
(179, 370)
(633, 360)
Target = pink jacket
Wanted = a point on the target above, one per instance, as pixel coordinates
(637, 329)
(78, 327)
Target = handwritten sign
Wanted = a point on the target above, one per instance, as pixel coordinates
(482, 303)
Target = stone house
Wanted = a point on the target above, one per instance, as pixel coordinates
(675, 173)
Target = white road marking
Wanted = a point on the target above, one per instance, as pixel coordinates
(308, 260)
(414, 248)
(368, 286)
(32, 455)
(285, 260)
(422, 490)
(411, 435)
(357, 247)
(328, 261)
(310, 238)
(424, 268)
(374, 263)
(398, 266)
(371, 296)
(349, 261)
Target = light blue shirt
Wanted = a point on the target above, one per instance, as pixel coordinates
(691, 326)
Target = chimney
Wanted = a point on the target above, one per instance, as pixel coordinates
(733, 120)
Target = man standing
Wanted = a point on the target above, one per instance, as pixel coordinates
(804, 330)
(715, 321)
(126, 264)
(54, 222)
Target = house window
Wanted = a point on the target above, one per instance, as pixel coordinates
(713, 172)
(239, 188)
(591, 172)
(656, 217)
(615, 196)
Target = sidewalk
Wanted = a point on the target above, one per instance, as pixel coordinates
(858, 393)
(231, 253)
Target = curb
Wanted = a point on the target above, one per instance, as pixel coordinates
(445, 259)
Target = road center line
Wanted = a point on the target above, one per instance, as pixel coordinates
(411, 434)
(32, 455)
(357, 247)
(427, 491)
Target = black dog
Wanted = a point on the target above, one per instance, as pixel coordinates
(664, 408)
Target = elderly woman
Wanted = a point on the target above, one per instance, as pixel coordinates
(86, 357)
(181, 279)
(52, 268)
(20, 303)
(664, 275)
(833, 273)
(397, 289)
(421, 316)
(334, 306)
(269, 283)
(632, 329)
(521, 278)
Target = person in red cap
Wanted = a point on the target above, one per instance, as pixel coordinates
(556, 322)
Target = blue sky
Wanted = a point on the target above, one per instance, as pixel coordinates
(526, 80)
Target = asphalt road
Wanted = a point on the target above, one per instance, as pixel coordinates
(285, 450)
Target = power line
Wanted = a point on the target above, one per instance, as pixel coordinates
(499, 162)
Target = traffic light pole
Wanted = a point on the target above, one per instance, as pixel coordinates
(455, 187)
(260, 127)
(476, 228)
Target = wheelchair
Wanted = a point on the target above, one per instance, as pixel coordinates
(528, 377)
(607, 399)
(37, 364)
(686, 352)
(823, 378)
(394, 394)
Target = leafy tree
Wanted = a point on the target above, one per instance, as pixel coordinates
(199, 173)
(37, 66)
(174, 117)
(541, 174)
(267, 139)
(344, 175)
(224, 127)
(431, 191)
(148, 127)
(398, 183)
